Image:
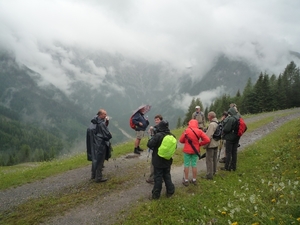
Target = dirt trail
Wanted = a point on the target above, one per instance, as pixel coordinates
(108, 209)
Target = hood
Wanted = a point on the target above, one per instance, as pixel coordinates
(232, 112)
(193, 123)
(96, 120)
(163, 126)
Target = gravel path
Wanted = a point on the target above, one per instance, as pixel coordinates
(117, 203)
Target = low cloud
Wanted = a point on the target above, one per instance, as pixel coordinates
(185, 33)
(183, 101)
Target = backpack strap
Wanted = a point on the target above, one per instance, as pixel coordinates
(194, 133)
(193, 147)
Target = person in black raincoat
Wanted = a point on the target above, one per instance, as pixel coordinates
(162, 167)
(232, 139)
(98, 144)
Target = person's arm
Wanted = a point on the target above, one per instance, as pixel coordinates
(136, 119)
(204, 138)
(106, 135)
(182, 138)
(152, 142)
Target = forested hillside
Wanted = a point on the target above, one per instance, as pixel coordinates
(269, 93)
(36, 123)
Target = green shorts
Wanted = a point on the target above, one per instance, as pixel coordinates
(190, 160)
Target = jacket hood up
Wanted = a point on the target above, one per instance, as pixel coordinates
(94, 120)
(163, 126)
(193, 123)
(232, 111)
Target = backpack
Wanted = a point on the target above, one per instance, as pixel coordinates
(167, 147)
(241, 127)
(218, 132)
(132, 125)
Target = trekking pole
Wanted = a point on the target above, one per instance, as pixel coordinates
(148, 149)
(220, 148)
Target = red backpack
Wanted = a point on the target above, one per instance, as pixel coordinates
(241, 127)
(132, 125)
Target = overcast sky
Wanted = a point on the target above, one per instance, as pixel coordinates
(185, 32)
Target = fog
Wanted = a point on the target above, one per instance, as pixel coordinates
(187, 33)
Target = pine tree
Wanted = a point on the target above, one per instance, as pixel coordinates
(178, 122)
(246, 105)
(267, 94)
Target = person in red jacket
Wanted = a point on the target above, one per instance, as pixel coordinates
(191, 149)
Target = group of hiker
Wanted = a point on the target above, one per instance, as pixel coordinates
(163, 144)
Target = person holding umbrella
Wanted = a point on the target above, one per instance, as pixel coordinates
(141, 124)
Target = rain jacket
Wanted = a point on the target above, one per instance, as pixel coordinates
(162, 129)
(139, 117)
(210, 132)
(97, 140)
(229, 126)
(193, 124)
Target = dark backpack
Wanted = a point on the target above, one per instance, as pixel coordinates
(241, 127)
(218, 132)
(132, 125)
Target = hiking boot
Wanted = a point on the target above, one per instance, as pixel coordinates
(168, 195)
(185, 182)
(140, 149)
(194, 182)
(101, 180)
(223, 160)
(152, 197)
(136, 151)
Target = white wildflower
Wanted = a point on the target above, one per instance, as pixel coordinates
(252, 198)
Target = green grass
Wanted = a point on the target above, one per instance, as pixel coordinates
(267, 170)
(12, 176)
(264, 190)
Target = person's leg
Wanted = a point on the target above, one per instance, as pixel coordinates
(139, 136)
(194, 159)
(187, 163)
(209, 163)
(228, 155)
(170, 188)
(215, 160)
(151, 176)
(93, 171)
(234, 156)
(137, 142)
(158, 178)
(100, 161)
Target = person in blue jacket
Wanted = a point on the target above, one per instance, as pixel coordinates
(141, 124)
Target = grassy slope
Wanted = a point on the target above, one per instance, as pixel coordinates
(264, 190)
(256, 193)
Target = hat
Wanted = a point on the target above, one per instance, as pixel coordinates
(197, 107)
